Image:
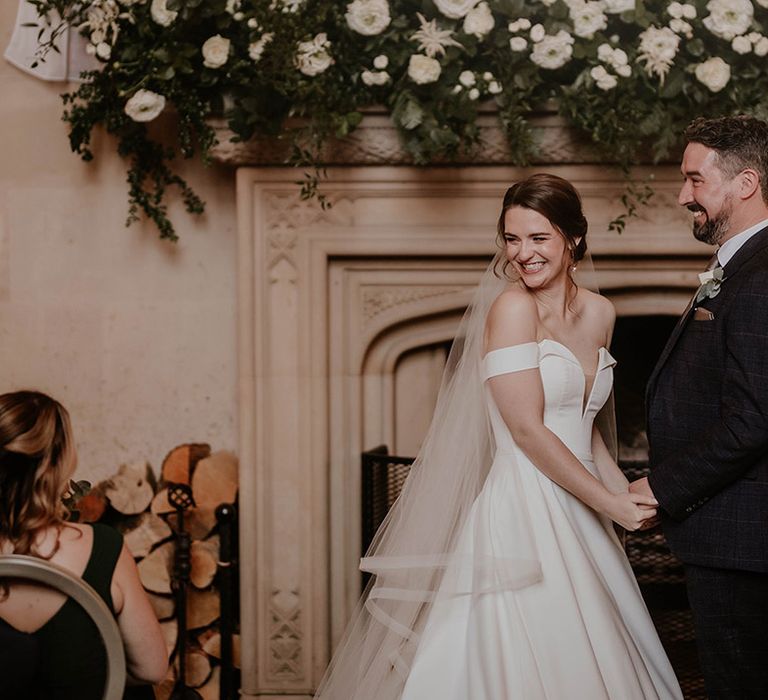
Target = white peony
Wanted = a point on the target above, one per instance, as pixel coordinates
(368, 17)
(741, 44)
(380, 62)
(714, 73)
(588, 18)
(374, 77)
(161, 14)
(467, 78)
(144, 106)
(658, 48)
(423, 69)
(728, 18)
(517, 43)
(614, 7)
(455, 9)
(479, 21)
(553, 51)
(314, 57)
(215, 51)
(256, 48)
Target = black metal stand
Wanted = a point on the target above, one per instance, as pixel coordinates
(180, 497)
(226, 518)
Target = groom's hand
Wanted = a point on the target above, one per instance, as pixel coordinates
(643, 487)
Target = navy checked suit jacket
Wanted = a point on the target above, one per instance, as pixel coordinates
(707, 419)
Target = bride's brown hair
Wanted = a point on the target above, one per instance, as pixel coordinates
(37, 457)
(557, 200)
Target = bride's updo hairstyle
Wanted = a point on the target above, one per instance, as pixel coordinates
(37, 457)
(555, 199)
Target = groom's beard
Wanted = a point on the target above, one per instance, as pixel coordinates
(712, 231)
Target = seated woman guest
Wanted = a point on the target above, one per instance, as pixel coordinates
(37, 459)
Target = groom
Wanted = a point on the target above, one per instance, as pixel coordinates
(707, 410)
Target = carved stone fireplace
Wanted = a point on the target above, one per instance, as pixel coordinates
(343, 319)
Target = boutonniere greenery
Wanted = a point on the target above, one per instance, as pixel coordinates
(710, 282)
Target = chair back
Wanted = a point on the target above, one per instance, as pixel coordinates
(44, 572)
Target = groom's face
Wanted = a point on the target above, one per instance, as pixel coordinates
(707, 193)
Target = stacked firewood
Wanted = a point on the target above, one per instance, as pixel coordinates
(137, 504)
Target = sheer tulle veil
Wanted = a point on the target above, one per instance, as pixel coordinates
(420, 554)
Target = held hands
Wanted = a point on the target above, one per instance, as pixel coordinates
(642, 486)
(631, 510)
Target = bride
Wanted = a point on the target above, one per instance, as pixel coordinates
(498, 574)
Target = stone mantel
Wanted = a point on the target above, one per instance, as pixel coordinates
(376, 141)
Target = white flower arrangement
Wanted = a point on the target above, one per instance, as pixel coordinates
(628, 74)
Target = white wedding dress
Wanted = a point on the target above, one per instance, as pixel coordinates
(582, 630)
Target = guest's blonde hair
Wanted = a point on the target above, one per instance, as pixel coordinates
(37, 457)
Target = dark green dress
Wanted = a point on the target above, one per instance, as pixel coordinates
(72, 659)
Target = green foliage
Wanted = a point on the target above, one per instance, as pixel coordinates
(631, 105)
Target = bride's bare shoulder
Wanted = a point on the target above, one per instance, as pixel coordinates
(513, 304)
(597, 306)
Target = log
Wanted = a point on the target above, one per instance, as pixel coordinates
(215, 480)
(204, 558)
(210, 691)
(203, 608)
(199, 522)
(155, 569)
(210, 642)
(91, 507)
(130, 491)
(170, 630)
(163, 605)
(198, 669)
(150, 530)
(160, 504)
(181, 460)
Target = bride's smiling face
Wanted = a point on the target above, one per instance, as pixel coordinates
(535, 248)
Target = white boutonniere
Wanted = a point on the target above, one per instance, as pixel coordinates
(710, 284)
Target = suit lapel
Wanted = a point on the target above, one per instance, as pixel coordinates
(754, 244)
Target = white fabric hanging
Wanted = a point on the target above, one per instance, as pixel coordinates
(65, 65)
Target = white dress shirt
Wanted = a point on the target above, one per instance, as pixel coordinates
(726, 251)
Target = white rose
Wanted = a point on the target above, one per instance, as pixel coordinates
(368, 17)
(314, 57)
(714, 73)
(487, 75)
(423, 69)
(675, 9)
(253, 23)
(598, 72)
(467, 78)
(689, 11)
(553, 52)
(144, 106)
(256, 48)
(494, 87)
(233, 6)
(537, 32)
(728, 18)
(761, 47)
(374, 77)
(614, 7)
(479, 21)
(474, 93)
(608, 82)
(456, 89)
(754, 37)
(380, 62)
(161, 14)
(517, 43)
(588, 18)
(604, 52)
(680, 26)
(519, 25)
(455, 9)
(741, 44)
(103, 50)
(762, 3)
(215, 51)
(624, 71)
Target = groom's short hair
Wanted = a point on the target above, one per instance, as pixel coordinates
(739, 141)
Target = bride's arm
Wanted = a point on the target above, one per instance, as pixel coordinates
(609, 471)
(519, 397)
